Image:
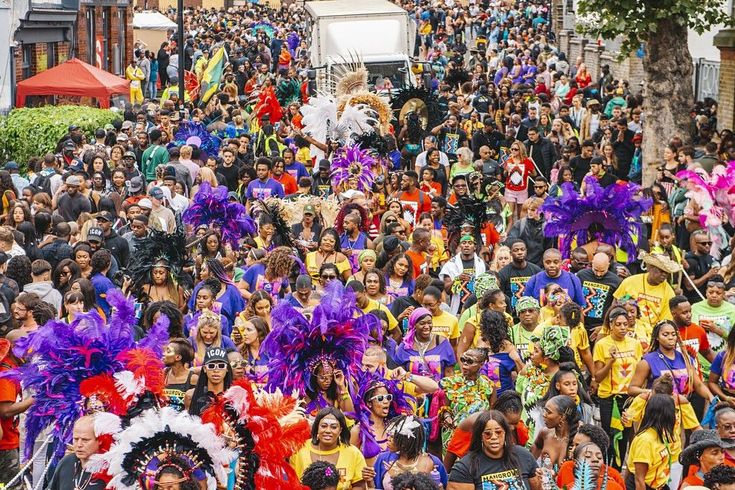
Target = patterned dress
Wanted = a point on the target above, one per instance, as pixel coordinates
(465, 398)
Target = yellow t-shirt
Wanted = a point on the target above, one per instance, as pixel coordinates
(313, 269)
(621, 372)
(648, 448)
(578, 339)
(446, 325)
(641, 332)
(374, 305)
(653, 301)
(349, 464)
(685, 417)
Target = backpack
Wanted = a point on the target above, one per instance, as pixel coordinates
(42, 183)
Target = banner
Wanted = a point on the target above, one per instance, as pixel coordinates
(99, 52)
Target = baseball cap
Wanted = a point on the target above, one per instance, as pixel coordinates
(145, 203)
(94, 234)
(130, 154)
(390, 243)
(215, 354)
(104, 216)
(156, 193)
(310, 209)
(135, 184)
(324, 163)
(122, 137)
(73, 127)
(69, 145)
(11, 165)
(73, 180)
(127, 125)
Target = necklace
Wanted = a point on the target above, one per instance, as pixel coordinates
(422, 346)
(79, 483)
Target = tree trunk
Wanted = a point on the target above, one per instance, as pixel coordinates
(669, 94)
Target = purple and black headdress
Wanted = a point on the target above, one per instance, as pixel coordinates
(400, 405)
(609, 215)
(335, 336)
(351, 161)
(60, 356)
(195, 134)
(211, 207)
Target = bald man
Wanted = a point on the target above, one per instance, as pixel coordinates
(71, 472)
(598, 286)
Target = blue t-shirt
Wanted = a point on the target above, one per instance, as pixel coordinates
(431, 364)
(297, 170)
(255, 277)
(232, 304)
(499, 369)
(568, 282)
(264, 190)
(386, 459)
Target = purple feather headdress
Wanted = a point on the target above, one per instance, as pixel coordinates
(351, 161)
(59, 356)
(335, 335)
(211, 207)
(293, 41)
(195, 134)
(610, 215)
(400, 405)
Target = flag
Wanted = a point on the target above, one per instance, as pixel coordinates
(212, 75)
(616, 425)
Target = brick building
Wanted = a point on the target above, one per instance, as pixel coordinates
(99, 32)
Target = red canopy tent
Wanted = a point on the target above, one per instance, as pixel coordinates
(73, 77)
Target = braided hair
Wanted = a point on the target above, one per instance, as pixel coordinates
(493, 329)
(320, 475)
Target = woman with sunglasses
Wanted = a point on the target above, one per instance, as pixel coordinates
(328, 252)
(215, 378)
(465, 393)
(518, 168)
(65, 273)
(493, 451)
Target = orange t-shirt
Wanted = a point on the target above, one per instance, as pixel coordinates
(9, 392)
(419, 263)
(565, 477)
(288, 183)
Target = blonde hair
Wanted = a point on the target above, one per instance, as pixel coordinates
(207, 175)
(522, 152)
(465, 155)
(185, 152)
(212, 319)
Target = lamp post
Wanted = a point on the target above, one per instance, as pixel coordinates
(180, 43)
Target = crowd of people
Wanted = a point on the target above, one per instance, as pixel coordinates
(478, 293)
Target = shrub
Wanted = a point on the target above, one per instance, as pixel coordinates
(29, 132)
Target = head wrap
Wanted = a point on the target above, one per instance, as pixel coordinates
(366, 253)
(527, 303)
(467, 238)
(485, 282)
(552, 340)
(413, 319)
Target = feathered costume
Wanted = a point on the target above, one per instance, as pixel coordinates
(715, 195)
(91, 359)
(159, 249)
(400, 405)
(609, 215)
(467, 211)
(352, 162)
(212, 208)
(322, 120)
(159, 439)
(268, 105)
(196, 134)
(273, 210)
(334, 337)
(266, 429)
(426, 105)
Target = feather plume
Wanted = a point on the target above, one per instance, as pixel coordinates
(211, 207)
(335, 334)
(352, 162)
(159, 248)
(351, 82)
(610, 215)
(355, 120)
(376, 102)
(583, 476)
(196, 134)
(319, 117)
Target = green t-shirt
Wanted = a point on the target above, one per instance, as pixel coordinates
(723, 316)
(151, 159)
(521, 338)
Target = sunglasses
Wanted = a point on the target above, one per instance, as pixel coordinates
(467, 360)
(216, 365)
(704, 243)
(328, 277)
(716, 284)
(514, 149)
(389, 221)
(382, 398)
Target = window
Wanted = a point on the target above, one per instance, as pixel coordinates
(106, 38)
(91, 40)
(122, 27)
(26, 64)
(51, 55)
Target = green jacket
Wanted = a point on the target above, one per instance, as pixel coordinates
(153, 157)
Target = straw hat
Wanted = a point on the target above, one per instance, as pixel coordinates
(659, 261)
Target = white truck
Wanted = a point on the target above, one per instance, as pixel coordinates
(378, 33)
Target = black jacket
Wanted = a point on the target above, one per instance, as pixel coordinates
(532, 234)
(543, 153)
(118, 247)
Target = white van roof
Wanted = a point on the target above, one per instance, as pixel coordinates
(352, 7)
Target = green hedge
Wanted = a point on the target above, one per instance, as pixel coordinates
(29, 132)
